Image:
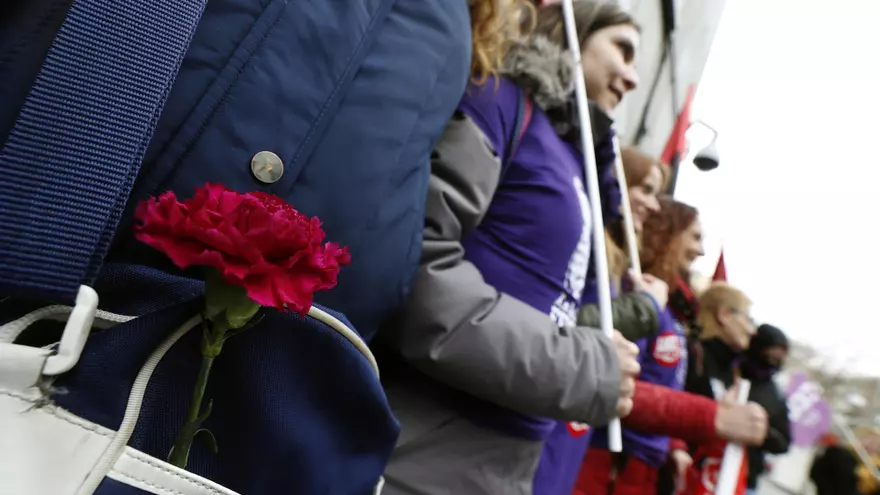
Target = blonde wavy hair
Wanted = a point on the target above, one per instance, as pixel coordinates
(719, 295)
(636, 167)
(495, 25)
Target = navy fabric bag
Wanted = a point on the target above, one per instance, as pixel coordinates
(298, 407)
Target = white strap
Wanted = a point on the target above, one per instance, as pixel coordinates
(10, 331)
(73, 339)
(21, 367)
(133, 409)
(346, 332)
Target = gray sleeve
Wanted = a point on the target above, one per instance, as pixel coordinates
(461, 331)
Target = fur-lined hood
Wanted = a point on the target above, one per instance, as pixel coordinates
(546, 72)
(543, 69)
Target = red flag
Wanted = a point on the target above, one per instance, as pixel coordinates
(701, 479)
(676, 147)
(720, 269)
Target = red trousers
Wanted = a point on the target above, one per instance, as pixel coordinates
(636, 478)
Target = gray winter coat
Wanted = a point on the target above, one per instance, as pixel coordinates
(458, 332)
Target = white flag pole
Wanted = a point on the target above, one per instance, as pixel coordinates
(731, 463)
(592, 175)
(632, 243)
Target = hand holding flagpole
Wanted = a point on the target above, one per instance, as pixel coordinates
(591, 174)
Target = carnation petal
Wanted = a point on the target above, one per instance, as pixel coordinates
(255, 240)
(260, 289)
(296, 291)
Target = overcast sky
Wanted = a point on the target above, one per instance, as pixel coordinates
(793, 87)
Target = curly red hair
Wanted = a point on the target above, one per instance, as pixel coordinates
(662, 242)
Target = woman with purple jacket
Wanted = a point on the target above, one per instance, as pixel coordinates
(663, 417)
(669, 242)
(489, 358)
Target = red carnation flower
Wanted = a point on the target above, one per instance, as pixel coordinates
(255, 240)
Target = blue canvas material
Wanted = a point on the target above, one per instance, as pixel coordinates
(113, 487)
(350, 95)
(71, 158)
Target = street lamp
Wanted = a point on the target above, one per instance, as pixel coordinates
(706, 159)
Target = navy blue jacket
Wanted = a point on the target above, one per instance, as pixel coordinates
(351, 95)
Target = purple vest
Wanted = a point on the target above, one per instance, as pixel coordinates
(534, 242)
(566, 445)
(664, 362)
(562, 458)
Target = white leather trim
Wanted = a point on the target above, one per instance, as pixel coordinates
(44, 449)
(135, 468)
(21, 368)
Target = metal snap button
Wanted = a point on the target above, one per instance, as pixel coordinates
(267, 167)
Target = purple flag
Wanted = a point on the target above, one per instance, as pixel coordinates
(809, 414)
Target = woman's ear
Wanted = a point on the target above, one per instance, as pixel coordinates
(723, 316)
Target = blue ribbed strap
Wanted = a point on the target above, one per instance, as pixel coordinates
(69, 164)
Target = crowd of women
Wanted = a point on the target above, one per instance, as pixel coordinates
(494, 368)
(493, 365)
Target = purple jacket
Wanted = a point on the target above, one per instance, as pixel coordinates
(504, 270)
(540, 207)
(534, 241)
(510, 248)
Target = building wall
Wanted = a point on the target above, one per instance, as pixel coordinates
(696, 24)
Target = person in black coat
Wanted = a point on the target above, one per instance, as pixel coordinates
(834, 472)
(764, 358)
(723, 329)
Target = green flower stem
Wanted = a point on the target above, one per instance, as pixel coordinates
(212, 344)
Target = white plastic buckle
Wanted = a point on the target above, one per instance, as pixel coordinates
(76, 331)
